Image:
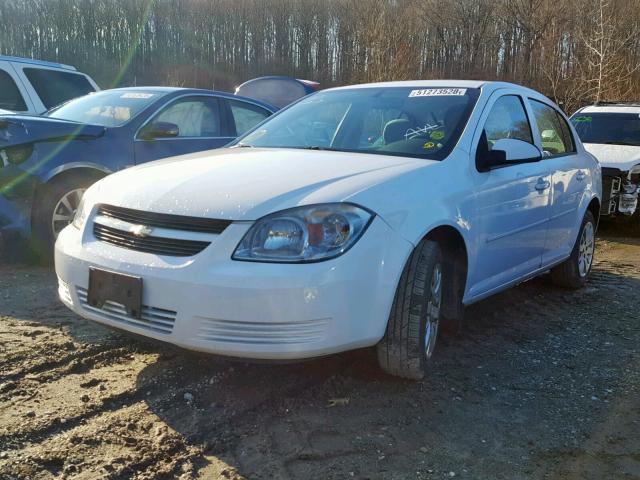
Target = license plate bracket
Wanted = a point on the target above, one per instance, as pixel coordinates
(120, 288)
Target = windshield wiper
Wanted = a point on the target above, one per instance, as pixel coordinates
(241, 145)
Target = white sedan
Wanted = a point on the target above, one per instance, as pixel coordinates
(359, 216)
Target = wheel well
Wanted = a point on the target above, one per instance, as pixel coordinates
(83, 172)
(594, 208)
(456, 263)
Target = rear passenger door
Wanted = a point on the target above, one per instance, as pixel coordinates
(511, 201)
(554, 137)
(200, 126)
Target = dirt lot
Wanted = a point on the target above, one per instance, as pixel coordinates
(541, 383)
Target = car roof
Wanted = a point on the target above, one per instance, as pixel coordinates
(445, 83)
(611, 108)
(186, 91)
(42, 63)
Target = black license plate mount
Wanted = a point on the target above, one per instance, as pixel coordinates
(105, 286)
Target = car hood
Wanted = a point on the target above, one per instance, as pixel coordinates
(247, 183)
(622, 157)
(20, 129)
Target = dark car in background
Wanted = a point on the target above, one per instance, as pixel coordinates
(46, 162)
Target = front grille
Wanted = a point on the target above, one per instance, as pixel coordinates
(164, 220)
(159, 245)
(152, 318)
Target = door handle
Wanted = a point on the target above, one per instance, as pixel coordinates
(580, 176)
(542, 184)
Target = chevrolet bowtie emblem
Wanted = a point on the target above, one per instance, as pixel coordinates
(141, 230)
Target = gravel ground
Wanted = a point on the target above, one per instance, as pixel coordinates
(541, 383)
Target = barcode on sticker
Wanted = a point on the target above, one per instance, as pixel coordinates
(137, 95)
(438, 92)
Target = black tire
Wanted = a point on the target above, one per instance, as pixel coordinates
(634, 223)
(402, 351)
(568, 274)
(43, 235)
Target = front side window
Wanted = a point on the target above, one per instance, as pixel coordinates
(507, 119)
(608, 128)
(400, 121)
(194, 116)
(10, 96)
(246, 115)
(554, 133)
(109, 108)
(55, 87)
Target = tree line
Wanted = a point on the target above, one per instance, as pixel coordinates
(575, 51)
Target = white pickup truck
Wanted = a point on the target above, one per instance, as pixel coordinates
(33, 86)
(611, 132)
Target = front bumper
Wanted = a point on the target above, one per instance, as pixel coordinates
(211, 303)
(620, 193)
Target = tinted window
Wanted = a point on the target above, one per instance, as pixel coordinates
(401, 121)
(109, 108)
(567, 136)
(10, 97)
(613, 128)
(507, 119)
(246, 115)
(194, 116)
(556, 140)
(55, 87)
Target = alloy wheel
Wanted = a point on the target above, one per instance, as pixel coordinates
(586, 248)
(433, 311)
(65, 210)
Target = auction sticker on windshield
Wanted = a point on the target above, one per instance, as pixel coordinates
(137, 95)
(438, 92)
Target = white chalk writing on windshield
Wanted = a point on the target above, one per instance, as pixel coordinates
(412, 132)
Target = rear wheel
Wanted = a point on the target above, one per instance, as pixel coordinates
(412, 331)
(574, 271)
(54, 209)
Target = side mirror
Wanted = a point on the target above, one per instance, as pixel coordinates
(510, 151)
(155, 130)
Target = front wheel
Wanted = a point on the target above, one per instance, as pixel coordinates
(574, 271)
(409, 342)
(54, 209)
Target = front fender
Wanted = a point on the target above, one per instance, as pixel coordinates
(74, 166)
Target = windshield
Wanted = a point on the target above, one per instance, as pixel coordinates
(402, 121)
(110, 108)
(612, 128)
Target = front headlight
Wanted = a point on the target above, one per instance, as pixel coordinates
(82, 213)
(304, 234)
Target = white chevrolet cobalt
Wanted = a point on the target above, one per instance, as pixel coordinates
(359, 216)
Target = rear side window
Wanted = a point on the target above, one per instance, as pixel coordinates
(10, 97)
(246, 115)
(507, 119)
(554, 132)
(55, 87)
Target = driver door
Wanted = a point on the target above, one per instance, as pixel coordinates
(511, 202)
(200, 127)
